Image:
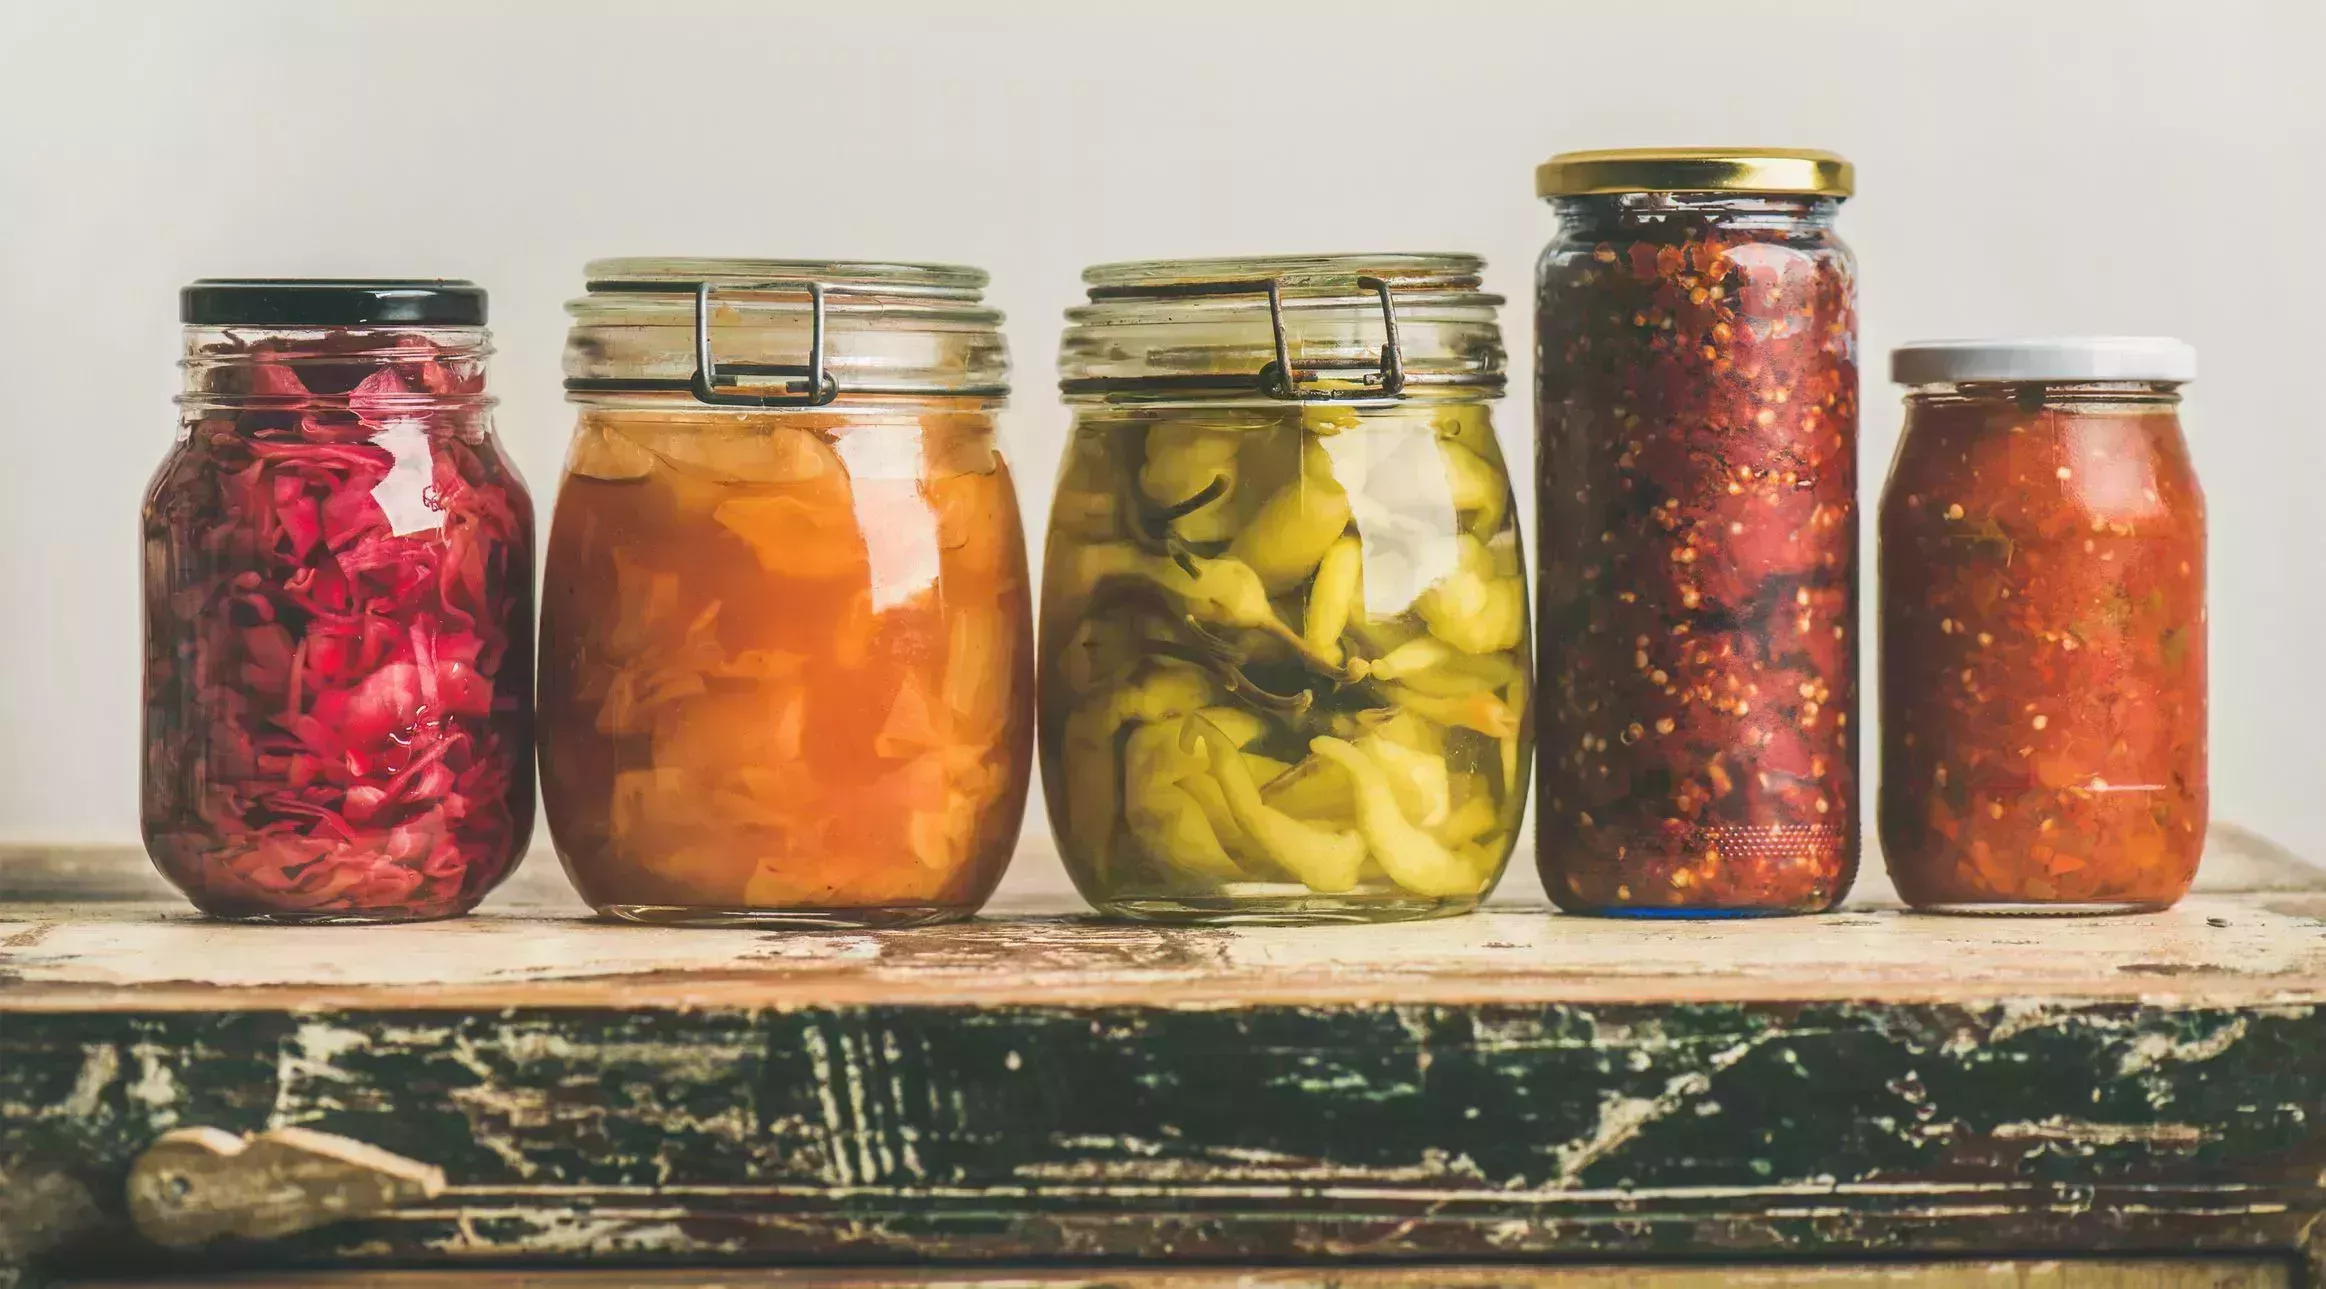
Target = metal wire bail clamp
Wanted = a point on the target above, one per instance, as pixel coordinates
(1279, 378)
(706, 384)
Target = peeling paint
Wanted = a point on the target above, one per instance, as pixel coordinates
(99, 1064)
(156, 1087)
(1622, 1117)
(2083, 1133)
(2151, 1050)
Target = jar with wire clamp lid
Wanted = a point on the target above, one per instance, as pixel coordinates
(787, 648)
(1284, 651)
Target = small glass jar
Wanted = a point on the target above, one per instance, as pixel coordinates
(787, 637)
(2043, 629)
(338, 609)
(1284, 651)
(1697, 399)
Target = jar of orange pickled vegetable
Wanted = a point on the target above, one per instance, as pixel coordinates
(786, 669)
(2043, 629)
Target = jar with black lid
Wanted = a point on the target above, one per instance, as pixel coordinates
(338, 609)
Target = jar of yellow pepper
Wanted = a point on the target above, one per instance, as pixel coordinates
(1284, 665)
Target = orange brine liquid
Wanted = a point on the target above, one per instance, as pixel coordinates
(786, 664)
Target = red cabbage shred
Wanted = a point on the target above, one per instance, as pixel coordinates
(338, 689)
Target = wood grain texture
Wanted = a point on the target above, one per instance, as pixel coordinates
(1511, 1086)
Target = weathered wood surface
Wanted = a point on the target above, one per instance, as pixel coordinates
(2111, 1273)
(1510, 1086)
(2249, 935)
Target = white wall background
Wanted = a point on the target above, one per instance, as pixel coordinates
(2024, 167)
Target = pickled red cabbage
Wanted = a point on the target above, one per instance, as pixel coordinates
(338, 688)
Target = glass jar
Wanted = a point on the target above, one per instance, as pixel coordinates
(1697, 398)
(1284, 651)
(787, 639)
(2043, 629)
(338, 609)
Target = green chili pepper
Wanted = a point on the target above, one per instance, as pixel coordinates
(1484, 712)
(1479, 490)
(1324, 861)
(1514, 701)
(1313, 789)
(1101, 649)
(1224, 590)
(1475, 608)
(1416, 655)
(1473, 819)
(1242, 727)
(1183, 461)
(1412, 858)
(1090, 770)
(1335, 593)
(1168, 819)
(1416, 778)
(1296, 525)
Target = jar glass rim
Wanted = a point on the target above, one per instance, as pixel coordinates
(768, 333)
(1360, 327)
(888, 277)
(1297, 274)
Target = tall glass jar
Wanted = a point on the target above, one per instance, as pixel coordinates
(1697, 397)
(1284, 616)
(2043, 629)
(338, 609)
(787, 638)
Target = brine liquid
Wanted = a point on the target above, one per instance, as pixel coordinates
(1285, 673)
(786, 666)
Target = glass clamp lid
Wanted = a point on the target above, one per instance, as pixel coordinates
(1328, 328)
(784, 333)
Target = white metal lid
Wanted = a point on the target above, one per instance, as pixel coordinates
(2044, 358)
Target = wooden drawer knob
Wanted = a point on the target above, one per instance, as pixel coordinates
(194, 1185)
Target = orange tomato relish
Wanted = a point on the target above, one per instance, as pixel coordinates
(2043, 650)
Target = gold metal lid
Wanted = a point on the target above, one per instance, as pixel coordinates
(1741, 170)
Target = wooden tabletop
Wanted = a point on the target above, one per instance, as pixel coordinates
(2254, 933)
(1036, 1086)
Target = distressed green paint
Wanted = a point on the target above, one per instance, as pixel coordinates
(1254, 1132)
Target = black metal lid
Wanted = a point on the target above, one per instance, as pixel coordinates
(332, 302)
